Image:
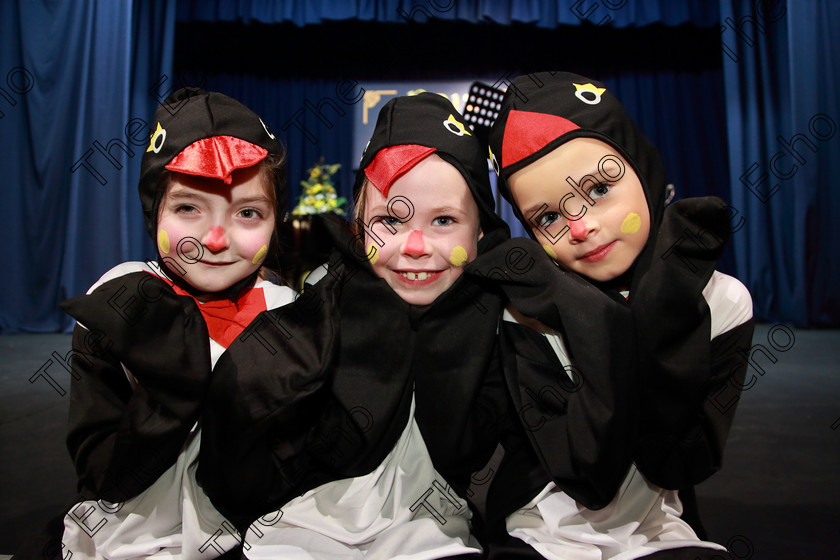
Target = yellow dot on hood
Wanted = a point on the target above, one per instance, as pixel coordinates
(163, 241)
(260, 255)
(631, 223)
(458, 256)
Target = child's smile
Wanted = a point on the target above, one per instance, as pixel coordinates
(586, 206)
(218, 234)
(423, 248)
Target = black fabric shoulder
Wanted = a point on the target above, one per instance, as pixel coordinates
(359, 357)
(138, 321)
(263, 399)
(673, 327)
(582, 431)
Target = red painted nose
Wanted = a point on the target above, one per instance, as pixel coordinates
(215, 239)
(415, 245)
(577, 228)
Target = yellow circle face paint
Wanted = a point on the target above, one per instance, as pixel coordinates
(631, 223)
(550, 251)
(260, 255)
(163, 241)
(373, 254)
(458, 256)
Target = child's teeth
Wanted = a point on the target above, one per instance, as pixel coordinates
(416, 275)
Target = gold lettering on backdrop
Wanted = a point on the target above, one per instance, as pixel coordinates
(372, 98)
(454, 98)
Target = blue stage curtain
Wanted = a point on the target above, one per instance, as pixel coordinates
(77, 75)
(781, 69)
(75, 81)
(543, 13)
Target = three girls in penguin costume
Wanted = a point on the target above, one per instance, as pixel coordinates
(653, 377)
(149, 334)
(361, 445)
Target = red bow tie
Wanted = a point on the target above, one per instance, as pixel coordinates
(226, 318)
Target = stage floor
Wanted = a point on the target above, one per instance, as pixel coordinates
(777, 497)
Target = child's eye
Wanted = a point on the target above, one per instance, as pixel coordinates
(598, 191)
(443, 221)
(388, 220)
(250, 213)
(548, 218)
(185, 209)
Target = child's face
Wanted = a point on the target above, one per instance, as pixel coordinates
(613, 221)
(218, 233)
(431, 232)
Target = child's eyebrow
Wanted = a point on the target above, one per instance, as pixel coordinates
(448, 210)
(252, 200)
(377, 207)
(184, 194)
(540, 207)
(602, 172)
(594, 174)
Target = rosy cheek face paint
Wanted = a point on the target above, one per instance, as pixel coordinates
(631, 223)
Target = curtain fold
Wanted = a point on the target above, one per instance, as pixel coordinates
(543, 13)
(70, 146)
(781, 67)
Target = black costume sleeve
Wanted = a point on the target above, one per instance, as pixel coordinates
(358, 358)
(263, 400)
(683, 427)
(460, 390)
(580, 427)
(122, 438)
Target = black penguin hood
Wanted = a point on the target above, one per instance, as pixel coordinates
(542, 111)
(190, 116)
(430, 120)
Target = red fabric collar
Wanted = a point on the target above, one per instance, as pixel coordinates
(226, 319)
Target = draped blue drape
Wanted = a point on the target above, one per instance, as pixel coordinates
(78, 74)
(781, 67)
(548, 14)
(75, 81)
